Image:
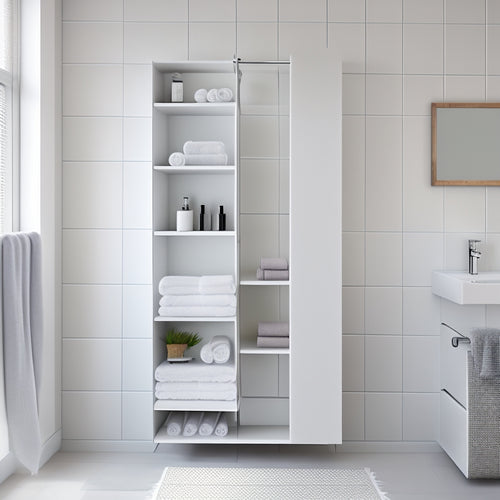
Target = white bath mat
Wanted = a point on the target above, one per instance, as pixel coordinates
(180, 483)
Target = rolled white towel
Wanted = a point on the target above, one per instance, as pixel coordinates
(212, 95)
(208, 423)
(224, 95)
(221, 349)
(191, 426)
(203, 147)
(201, 95)
(177, 159)
(179, 285)
(217, 284)
(206, 159)
(221, 429)
(175, 422)
(206, 354)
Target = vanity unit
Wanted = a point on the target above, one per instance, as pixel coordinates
(284, 395)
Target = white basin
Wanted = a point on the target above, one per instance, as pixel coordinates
(463, 288)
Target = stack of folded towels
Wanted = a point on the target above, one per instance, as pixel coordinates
(273, 268)
(212, 295)
(199, 153)
(196, 381)
(273, 334)
(190, 423)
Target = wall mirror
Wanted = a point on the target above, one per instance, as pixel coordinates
(466, 144)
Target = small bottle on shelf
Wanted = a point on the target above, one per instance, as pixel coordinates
(177, 88)
(222, 218)
(203, 226)
(185, 216)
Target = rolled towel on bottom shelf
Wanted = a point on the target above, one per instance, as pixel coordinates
(192, 424)
(221, 429)
(208, 423)
(175, 423)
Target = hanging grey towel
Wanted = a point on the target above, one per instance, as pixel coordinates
(485, 344)
(22, 338)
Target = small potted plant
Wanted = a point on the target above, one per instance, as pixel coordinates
(178, 341)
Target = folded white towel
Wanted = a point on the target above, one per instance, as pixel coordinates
(204, 148)
(195, 371)
(208, 423)
(224, 95)
(196, 311)
(200, 95)
(217, 284)
(192, 423)
(174, 423)
(212, 95)
(221, 429)
(179, 285)
(218, 350)
(200, 391)
(206, 159)
(198, 300)
(177, 159)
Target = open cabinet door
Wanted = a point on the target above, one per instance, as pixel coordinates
(315, 248)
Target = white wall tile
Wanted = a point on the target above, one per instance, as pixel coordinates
(256, 10)
(137, 365)
(353, 305)
(419, 92)
(420, 417)
(423, 48)
(383, 364)
(222, 38)
(259, 92)
(346, 11)
(384, 94)
(259, 136)
(213, 11)
(353, 94)
(353, 259)
(464, 209)
(353, 417)
(283, 376)
(423, 11)
(284, 236)
(91, 415)
(383, 310)
(156, 10)
(384, 46)
(257, 41)
(284, 135)
(465, 11)
(259, 183)
(493, 88)
(464, 88)
(92, 90)
(259, 375)
(92, 10)
(384, 11)
(92, 42)
(421, 364)
(137, 420)
(464, 49)
(353, 362)
(383, 417)
(493, 50)
(303, 36)
(92, 139)
(298, 11)
(92, 256)
(353, 173)
(137, 194)
(493, 11)
(137, 255)
(349, 40)
(92, 195)
(137, 89)
(91, 364)
(137, 311)
(490, 258)
(421, 311)
(383, 173)
(137, 139)
(92, 311)
(284, 186)
(422, 254)
(384, 259)
(147, 42)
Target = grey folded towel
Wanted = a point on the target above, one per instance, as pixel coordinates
(273, 341)
(486, 351)
(272, 274)
(273, 263)
(273, 329)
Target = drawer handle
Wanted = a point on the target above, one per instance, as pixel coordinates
(455, 341)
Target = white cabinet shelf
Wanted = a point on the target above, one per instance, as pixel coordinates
(247, 347)
(197, 169)
(184, 405)
(196, 109)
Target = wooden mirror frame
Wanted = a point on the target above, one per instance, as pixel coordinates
(439, 182)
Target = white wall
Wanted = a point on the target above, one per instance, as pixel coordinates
(399, 56)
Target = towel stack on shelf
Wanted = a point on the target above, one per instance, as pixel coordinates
(273, 334)
(190, 423)
(273, 268)
(212, 295)
(214, 95)
(199, 153)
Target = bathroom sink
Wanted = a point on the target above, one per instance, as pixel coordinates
(463, 288)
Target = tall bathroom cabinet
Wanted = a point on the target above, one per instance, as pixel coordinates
(285, 395)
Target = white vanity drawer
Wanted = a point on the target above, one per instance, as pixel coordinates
(454, 432)
(454, 371)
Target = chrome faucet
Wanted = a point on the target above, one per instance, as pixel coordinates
(474, 255)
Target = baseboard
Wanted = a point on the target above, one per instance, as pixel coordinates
(388, 447)
(50, 447)
(8, 466)
(109, 446)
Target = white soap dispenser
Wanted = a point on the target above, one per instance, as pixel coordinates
(185, 217)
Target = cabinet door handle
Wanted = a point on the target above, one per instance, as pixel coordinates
(455, 341)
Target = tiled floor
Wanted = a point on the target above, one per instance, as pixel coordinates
(131, 476)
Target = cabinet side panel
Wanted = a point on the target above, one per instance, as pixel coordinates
(315, 250)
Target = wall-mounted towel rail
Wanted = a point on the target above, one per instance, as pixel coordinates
(455, 341)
